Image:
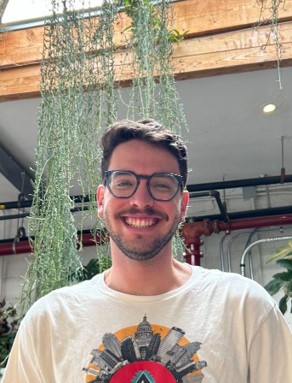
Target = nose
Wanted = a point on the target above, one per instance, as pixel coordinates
(142, 197)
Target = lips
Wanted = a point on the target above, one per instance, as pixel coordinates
(140, 222)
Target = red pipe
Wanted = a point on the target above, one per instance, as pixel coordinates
(17, 247)
(193, 231)
(24, 246)
(249, 223)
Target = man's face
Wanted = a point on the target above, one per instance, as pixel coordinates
(140, 226)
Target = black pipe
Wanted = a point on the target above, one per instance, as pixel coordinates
(28, 202)
(239, 183)
(216, 195)
(13, 216)
(235, 215)
(191, 188)
(23, 215)
(245, 214)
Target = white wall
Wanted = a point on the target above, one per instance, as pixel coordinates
(235, 244)
(231, 246)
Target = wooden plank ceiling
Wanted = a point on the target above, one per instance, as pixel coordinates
(220, 38)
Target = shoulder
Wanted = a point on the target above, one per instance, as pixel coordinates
(63, 300)
(232, 287)
(242, 300)
(223, 279)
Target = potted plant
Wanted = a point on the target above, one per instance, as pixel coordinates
(283, 280)
(8, 328)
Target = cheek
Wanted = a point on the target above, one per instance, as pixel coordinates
(108, 206)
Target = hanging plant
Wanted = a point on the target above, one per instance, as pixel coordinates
(3, 5)
(67, 153)
(78, 83)
(154, 93)
(274, 36)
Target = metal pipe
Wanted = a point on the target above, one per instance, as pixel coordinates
(247, 214)
(215, 194)
(193, 231)
(232, 239)
(221, 251)
(28, 202)
(265, 240)
(24, 215)
(239, 183)
(249, 223)
(272, 180)
(12, 246)
(192, 238)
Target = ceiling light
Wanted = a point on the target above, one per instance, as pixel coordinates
(269, 108)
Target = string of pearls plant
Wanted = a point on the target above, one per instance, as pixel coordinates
(79, 99)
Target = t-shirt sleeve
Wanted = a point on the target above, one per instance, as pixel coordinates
(22, 366)
(271, 351)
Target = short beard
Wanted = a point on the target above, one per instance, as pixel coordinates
(136, 252)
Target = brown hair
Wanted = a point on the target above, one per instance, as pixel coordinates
(146, 130)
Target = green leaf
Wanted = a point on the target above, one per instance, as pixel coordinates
(281, 252)
(288, 255)
(283, 304)
(176, 36)
(286, 263)
(286, 276)
(274, 286)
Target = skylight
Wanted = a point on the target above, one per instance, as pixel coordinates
(25, 11)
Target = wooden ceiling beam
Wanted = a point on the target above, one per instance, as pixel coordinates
(197, 18)
(219, 39)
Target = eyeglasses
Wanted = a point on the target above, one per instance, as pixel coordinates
(161, 186)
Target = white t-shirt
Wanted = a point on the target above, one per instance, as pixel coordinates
(216, 328)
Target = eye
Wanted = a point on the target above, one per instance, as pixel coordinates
(162, 184)
(123, 182)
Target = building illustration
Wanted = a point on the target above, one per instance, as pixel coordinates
(143, 346)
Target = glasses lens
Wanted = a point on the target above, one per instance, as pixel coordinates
(122, 184)
(164, 187)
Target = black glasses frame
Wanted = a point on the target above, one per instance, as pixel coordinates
(108, 174)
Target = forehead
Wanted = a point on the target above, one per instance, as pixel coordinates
(143, 158)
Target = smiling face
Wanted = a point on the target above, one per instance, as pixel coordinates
(139, 226)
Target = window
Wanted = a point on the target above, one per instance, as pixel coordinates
(32, 12)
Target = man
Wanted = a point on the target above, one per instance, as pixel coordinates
(150, 318)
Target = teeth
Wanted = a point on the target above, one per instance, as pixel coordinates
(138, 222)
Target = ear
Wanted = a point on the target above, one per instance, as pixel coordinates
(184, 204)
(100, 199)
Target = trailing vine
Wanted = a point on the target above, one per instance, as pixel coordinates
(79, 99)
(3, 5)
(274, 36)
(154, 93)
(67, 153)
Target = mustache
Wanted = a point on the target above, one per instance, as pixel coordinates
(148, 210)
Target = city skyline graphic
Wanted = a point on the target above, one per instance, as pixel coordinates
(148, 355)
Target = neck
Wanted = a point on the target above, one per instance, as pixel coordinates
(152, 277)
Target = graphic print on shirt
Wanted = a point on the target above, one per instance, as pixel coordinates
(146, 354)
